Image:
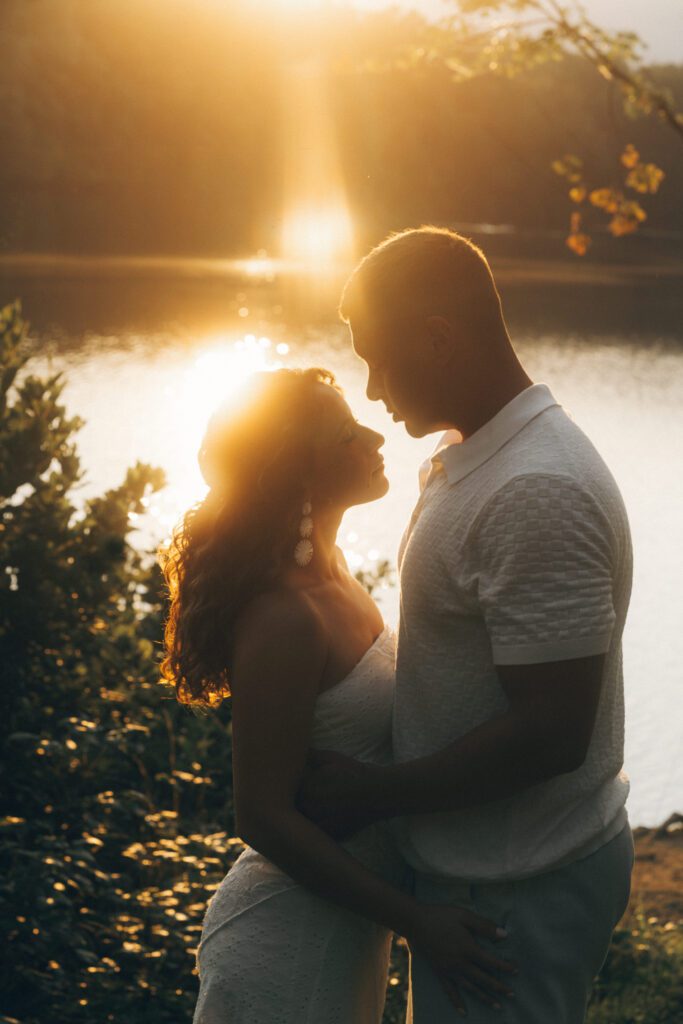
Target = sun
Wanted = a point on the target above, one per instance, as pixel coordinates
(318, 236)
(216, 375)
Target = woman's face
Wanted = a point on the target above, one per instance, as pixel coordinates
(349, 469)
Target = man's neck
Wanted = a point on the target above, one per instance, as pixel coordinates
(488, 400)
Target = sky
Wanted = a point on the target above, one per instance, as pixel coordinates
(659, 23)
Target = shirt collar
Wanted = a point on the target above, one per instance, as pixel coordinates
(459, 458)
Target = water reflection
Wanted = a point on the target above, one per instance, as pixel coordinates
(318, 236)
(112, 299)
(148, 395)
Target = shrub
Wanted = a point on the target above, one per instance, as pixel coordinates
(115, 801)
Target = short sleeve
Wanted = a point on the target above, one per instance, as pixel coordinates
(543, 561)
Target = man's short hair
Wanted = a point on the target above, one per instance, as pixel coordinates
(422, 272)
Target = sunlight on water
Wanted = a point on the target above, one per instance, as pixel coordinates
(215, 375)
(260, 266)
(315, 236)
(150, 398)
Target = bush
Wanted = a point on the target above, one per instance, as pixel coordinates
(642, 979)
(115, 801)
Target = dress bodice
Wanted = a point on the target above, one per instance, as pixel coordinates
(352, 717)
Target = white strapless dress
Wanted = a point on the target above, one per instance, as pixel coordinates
(271, 952)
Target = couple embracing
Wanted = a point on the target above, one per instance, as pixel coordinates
(458, 784)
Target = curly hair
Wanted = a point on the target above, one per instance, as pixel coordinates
(257, 457)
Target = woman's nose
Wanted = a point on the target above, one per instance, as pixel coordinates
(376, 439)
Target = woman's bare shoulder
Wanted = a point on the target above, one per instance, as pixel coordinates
(281, 617)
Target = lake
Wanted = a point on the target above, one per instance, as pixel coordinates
(148, 352)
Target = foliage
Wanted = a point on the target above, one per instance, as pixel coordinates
(538, 31)
(626, 213)
(114, 800)
(642, 979)
(381, 575)
(542, 30)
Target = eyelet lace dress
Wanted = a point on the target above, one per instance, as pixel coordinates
(271, 951)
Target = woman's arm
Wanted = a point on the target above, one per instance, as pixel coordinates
(280, 656)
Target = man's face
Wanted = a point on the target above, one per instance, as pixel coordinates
(400, 374)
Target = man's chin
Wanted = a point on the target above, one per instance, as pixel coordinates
(415, 429)
(412, 427)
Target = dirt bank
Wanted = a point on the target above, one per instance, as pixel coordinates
(657, 889)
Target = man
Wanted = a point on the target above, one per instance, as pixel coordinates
(515, 580)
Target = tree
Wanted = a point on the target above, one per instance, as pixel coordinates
(548, 30)
(509, 37)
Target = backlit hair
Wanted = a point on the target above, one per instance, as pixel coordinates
(422, 272)
(258, 458)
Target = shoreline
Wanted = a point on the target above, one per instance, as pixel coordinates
(657, 886)
(509, 270)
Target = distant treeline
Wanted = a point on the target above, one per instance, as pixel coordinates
(144, 126)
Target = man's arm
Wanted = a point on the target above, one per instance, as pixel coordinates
(541, 555)
(541, 551)
(545, 732)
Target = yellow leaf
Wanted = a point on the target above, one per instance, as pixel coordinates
(579, 243)
(605, 198)
(630, 156)
(621, 225)
(578, 193)
(569, 166)
(632, 210)
(645, 178)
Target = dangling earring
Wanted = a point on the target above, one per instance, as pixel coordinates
(303, 552)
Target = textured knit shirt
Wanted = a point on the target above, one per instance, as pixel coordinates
(518, 552)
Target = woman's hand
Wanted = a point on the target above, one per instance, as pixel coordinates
(445, 935)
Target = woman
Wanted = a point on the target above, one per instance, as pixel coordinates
(265, 610)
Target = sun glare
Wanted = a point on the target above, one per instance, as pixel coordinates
(295, 6)
(316, 229)
(318, 236)
(219, 372)
(216, 376)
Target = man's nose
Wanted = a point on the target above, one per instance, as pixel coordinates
(374, 389)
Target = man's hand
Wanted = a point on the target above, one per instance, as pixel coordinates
(334, 791)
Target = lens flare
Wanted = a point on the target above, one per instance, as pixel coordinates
(318, 236)
(216, 376)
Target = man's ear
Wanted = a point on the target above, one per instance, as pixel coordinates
(442, 339)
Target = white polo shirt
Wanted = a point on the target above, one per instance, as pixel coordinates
(518, 552)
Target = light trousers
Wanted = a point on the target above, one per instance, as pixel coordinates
(559, 928)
